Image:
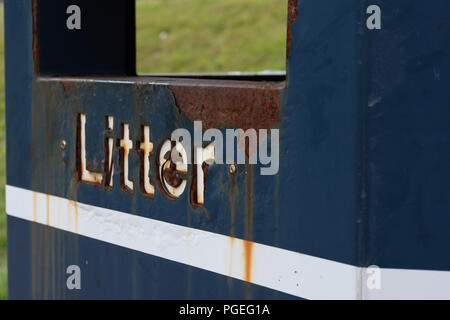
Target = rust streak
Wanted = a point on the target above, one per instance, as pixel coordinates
(67, 85)
(74, 204)
(292, 18)
(232, 197)
(248, 259)
(35, 13)
(248, 245)
(69, 214)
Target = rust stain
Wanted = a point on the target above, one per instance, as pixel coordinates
(74, 204)
(47, 214)
(248, 245)
(67, 85)
(248, 259)
(223, 106)
(172, 176)
(35, 13)
(233, 196)
(69, 214)
(249, 201)
(233, 193)
(292, 18)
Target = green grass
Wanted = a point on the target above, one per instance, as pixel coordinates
(201, 36)
(210, 35)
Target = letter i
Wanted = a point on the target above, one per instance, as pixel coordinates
(109, 148)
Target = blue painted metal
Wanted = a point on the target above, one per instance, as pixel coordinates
(364, 157)
(408, 137)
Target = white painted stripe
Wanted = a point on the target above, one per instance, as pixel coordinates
(286, 271)
(405, 284)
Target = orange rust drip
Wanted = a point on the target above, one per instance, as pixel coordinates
(248, 245)
(248, 258)
(292, 18)
(233, 194)
(75, 207)
(69, 214)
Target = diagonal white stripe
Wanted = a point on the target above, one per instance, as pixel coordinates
(282, 270)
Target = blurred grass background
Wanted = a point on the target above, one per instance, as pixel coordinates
(176, 36)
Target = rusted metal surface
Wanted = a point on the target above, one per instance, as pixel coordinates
(292, 18)
(172, 174)
(67, 87)
(217, 103)
(241, 106)
(35, 35)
